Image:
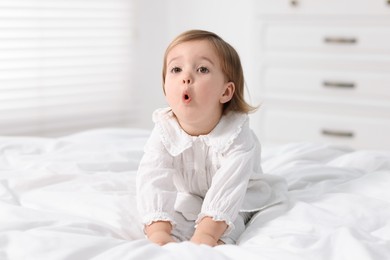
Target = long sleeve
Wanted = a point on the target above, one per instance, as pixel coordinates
(156, 193)
(239, 165)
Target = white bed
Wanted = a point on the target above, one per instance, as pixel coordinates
(74, 198)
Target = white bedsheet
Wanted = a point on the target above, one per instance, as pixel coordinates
(74, 198)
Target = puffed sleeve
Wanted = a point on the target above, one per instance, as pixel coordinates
(239, 164)
(156, 193)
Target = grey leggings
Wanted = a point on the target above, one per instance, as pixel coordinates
(184, 228)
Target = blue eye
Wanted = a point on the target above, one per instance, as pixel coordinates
(203, 70)
(175, 69)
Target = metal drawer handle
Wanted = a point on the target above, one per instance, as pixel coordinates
(336, 133)
(338, 84)
(340, 40)
(296, 3)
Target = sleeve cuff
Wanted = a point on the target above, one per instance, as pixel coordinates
(157, 216)
(217, 216)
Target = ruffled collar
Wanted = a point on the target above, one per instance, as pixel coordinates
(176, 140)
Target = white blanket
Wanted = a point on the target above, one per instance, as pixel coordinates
(74, 198)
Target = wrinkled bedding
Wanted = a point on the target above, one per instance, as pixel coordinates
(74, 198)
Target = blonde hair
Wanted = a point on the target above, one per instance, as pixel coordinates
(230, 64)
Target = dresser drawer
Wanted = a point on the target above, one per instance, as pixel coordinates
(327, 37)
(344, 85)
(335, 7)
(286, 126)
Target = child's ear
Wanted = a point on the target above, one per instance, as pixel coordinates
(228, 94)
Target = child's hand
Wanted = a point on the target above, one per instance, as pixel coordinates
(209, 231)
(202, 238)
(161, 238)
(160, 232)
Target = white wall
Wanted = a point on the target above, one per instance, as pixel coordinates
(151, 40)
(160, 21)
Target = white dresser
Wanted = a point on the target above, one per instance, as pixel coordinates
(323, 70)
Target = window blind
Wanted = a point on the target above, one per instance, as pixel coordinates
(65, 65)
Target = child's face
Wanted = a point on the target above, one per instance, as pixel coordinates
(195, 85)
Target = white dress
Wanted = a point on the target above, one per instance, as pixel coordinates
(183, 178)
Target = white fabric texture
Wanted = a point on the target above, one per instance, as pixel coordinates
(74, 198)
(216, 175)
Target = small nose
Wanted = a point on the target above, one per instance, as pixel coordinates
(187, 78)
(187, 81)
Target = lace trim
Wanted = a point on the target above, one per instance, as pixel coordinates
(157, 216)
(176, 141)
(217, 216)
(221, 138)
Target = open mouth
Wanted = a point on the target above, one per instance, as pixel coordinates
(186, 98)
